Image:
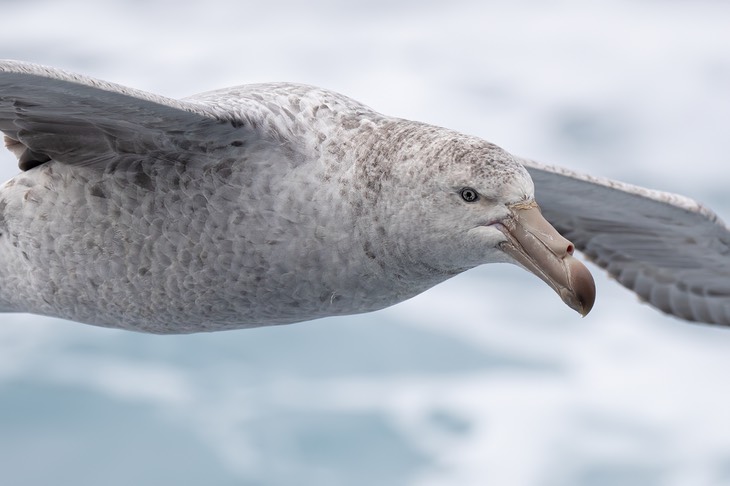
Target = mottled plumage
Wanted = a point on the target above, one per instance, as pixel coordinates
(276, 203)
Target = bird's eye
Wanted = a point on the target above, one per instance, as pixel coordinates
(469, 195)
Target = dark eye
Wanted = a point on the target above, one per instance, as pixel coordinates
(469, 195)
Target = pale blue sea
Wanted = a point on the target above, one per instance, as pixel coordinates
(487, 379)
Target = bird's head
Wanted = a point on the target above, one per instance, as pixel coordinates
(457, 202)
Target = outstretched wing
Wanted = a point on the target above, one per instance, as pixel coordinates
(670, 250)
(47, 113)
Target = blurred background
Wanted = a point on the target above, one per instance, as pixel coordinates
(486, 379)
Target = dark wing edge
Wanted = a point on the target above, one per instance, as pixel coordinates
(47, 113)
(672, 251)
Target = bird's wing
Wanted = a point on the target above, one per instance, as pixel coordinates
(47, 113)
(669, 249)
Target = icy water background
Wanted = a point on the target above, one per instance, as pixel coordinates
(487, 379)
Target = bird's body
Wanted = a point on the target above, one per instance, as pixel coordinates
(269, 224)
(257, 205)
(256, 233)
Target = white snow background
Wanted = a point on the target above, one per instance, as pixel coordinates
(487, 379)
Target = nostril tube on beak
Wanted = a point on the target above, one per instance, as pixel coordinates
(538, 247)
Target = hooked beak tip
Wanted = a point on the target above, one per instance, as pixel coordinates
(581, 292)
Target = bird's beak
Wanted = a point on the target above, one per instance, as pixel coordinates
(539, 248)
